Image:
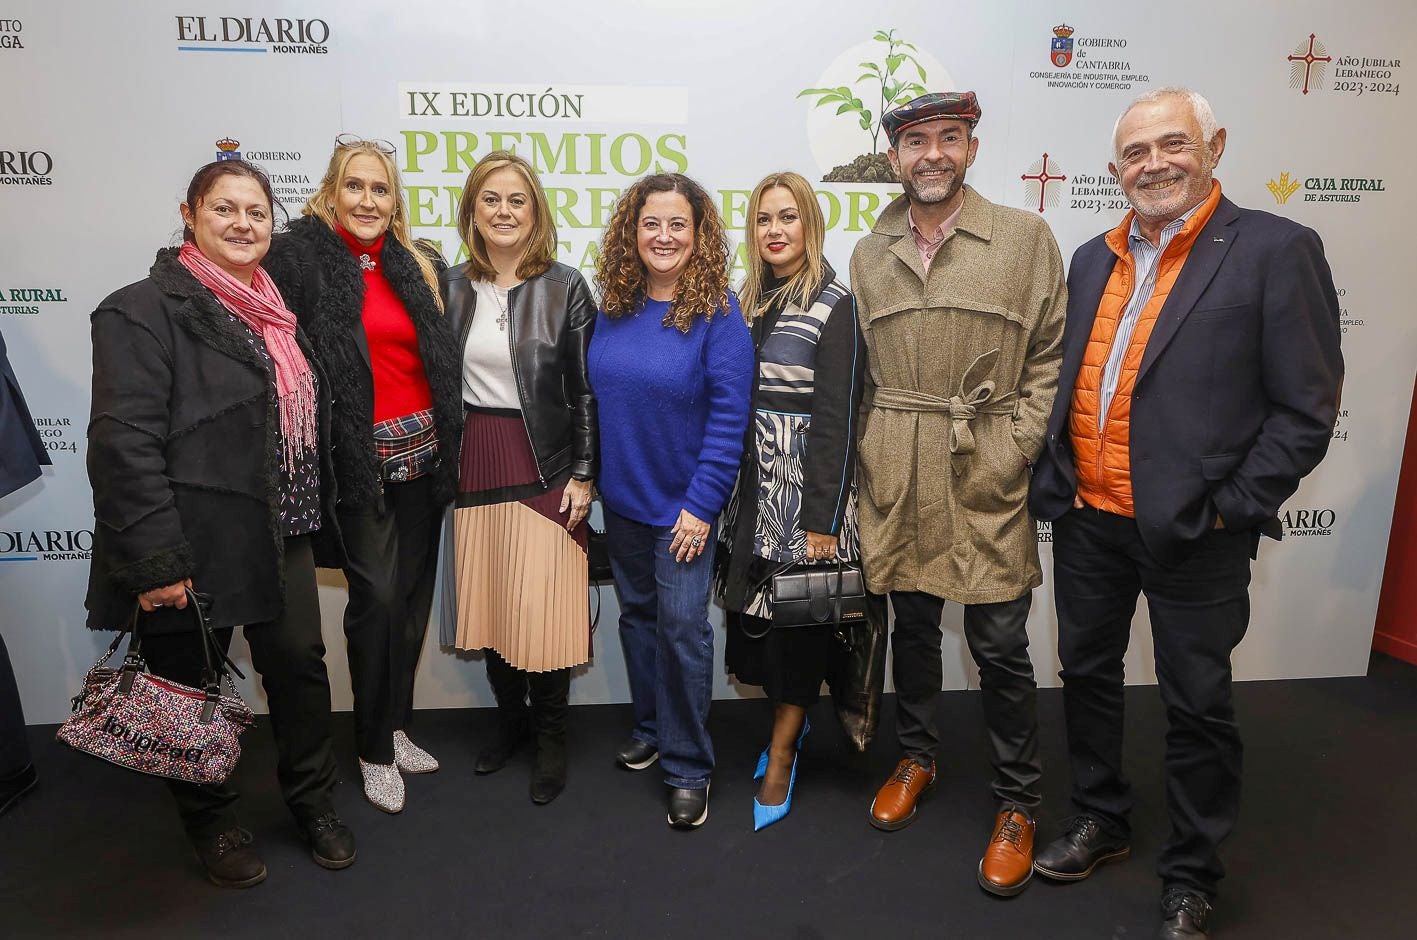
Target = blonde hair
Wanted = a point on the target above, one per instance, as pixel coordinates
(702, 289)
(800, 286)
(540, 249)
(321, 204)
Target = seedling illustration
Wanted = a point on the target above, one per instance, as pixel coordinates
(896, 79)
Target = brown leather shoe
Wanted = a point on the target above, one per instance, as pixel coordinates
(894, 805)
(1008, 861)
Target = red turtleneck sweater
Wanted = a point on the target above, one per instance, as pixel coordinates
(400, 384)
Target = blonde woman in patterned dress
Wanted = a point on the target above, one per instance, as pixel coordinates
(795, 501)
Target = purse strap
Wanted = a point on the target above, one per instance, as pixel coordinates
(213, 673)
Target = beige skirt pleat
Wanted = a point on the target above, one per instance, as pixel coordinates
(522, 587)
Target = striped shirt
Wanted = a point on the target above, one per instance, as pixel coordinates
(1146, 258)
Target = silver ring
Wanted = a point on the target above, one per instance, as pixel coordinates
(156, 604)
(696, 540)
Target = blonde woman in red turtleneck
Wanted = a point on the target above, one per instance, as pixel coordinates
(368, 298)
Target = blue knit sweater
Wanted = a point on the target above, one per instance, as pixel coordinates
(673, 408)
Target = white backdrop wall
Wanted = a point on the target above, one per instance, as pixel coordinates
(108, 108)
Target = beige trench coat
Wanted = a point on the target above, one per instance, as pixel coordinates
(963, 367)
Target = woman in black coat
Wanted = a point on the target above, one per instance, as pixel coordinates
(199, 483)
(368, 298)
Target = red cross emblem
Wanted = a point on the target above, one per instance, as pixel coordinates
(1040, 177)
(1314, 54)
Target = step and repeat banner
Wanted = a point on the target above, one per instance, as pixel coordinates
(109, 108)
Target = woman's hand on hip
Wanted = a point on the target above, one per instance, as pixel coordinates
(690, 537)
(576, 498)
(174, 595)
(820, 547)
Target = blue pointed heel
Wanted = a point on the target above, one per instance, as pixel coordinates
(764, 816)
(762, 765)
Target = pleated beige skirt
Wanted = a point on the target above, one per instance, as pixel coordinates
(522, 587)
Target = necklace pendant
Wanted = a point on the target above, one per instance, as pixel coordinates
(367, 263)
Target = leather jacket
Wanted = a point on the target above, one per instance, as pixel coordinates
(552, 317)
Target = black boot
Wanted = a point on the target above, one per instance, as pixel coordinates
(549, 694)
(230, 859)
(509, 685)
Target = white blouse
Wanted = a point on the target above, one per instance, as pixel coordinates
(488, 379)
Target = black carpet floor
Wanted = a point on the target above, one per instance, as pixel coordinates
(1324, 846)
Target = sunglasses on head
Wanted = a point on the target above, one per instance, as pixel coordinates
(354, 140)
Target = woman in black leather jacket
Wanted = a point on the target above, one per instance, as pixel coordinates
(523, 323)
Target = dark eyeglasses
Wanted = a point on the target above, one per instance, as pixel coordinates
(354, 140)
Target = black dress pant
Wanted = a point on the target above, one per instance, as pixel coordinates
(14, 749)
(289, 653)
(997, 635)
(1200, 609)
(393, 552)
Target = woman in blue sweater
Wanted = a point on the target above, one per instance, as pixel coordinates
(671, 363)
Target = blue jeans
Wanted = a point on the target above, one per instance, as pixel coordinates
(668, 643)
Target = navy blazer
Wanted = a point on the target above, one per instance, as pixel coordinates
(1237, 393)
(21, 450)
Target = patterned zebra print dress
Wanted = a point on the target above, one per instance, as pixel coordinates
(798, 468)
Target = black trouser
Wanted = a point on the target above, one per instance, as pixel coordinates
(1200, 608)
(14, 749)
(289, 653)
(997, 635)
(393, 552)
(548, 691)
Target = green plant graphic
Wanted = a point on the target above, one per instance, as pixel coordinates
(893, 88)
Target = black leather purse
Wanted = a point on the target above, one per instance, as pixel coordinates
(807, 595)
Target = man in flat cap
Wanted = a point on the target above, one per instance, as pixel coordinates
(1200, 383)
(961, 302)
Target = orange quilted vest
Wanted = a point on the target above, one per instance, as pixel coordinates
(1103, 457)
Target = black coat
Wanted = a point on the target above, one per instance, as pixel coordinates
(552, 318)
(1237, 394)
(21, 451)
(322, 283)
(184, 456)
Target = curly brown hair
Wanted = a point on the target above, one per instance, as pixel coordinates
(702, 289)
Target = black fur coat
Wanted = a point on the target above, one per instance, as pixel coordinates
(322, 283)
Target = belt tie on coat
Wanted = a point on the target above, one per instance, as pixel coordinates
(962, 409)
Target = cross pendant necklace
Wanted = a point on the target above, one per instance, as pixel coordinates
(504, 305)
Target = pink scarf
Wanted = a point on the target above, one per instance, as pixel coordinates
(261, 308)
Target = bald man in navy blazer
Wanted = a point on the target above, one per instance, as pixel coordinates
(1200, 383)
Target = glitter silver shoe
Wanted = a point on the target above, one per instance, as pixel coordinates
(383, 786)
(410, 758)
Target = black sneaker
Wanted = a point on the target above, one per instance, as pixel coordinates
(635, 754)
(688, 809)
(1185, 915)
(1073, 855)
(230, 859)
(331, 842)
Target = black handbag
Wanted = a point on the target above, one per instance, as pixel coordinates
(856, 690)
(597, 552)
(808, 595)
